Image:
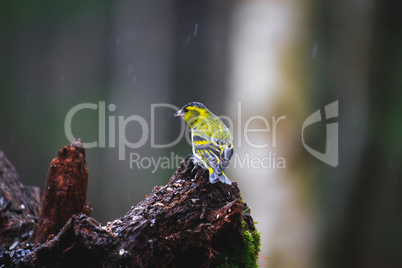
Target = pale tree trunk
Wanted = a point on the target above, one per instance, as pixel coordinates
(266, 79)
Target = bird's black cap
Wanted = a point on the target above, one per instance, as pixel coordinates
(194, 104)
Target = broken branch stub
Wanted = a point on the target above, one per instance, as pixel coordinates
(65, 191)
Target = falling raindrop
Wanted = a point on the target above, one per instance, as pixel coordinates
(118, 40)
(134, 80)
(195, 29)
(314, 53)
(129, 69)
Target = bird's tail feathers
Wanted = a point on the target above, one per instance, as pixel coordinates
(214, 177)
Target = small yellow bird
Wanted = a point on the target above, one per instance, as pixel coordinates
(212, 140)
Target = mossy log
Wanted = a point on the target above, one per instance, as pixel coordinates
(189, 222)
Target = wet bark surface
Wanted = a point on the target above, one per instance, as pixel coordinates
(18, 207)
(189, 222)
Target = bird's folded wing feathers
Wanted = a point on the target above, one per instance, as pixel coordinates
(216, 155)
(209, 157)
(226, 155)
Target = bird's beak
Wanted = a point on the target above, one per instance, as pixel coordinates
(179, 113)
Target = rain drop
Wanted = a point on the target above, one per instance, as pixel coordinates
(314, 53)
(129, 69)
(195, 29)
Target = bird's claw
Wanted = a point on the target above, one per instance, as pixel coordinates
(195, 167)
(189, 159)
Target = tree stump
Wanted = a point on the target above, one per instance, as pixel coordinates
(65, 191)
(189, 222)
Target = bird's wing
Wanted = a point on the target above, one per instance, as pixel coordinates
(226, 154)
(209, 152)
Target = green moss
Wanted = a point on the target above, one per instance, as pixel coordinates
(243, 253)
(248, 252)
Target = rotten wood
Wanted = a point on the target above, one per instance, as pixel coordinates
(65, 191)
(187, 223)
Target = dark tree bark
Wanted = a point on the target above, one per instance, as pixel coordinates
(18, 207)
(187, 223)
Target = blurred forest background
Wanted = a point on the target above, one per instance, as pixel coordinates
(270, 58)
